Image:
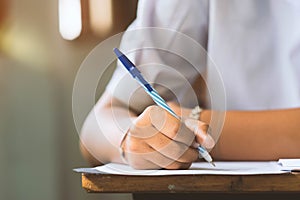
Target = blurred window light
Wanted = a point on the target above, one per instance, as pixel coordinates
(101, 17)
(70, 22)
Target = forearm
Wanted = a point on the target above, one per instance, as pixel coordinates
(103, 130)
(258, 135)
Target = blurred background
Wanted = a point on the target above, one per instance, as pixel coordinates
(42, 44)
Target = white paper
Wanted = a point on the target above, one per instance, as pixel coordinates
(222, 168)
(290, 164)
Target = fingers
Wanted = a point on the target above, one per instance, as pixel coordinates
(155, 119)
(160, 143)
(152, 159)
(177, 165)
(155, 160)
(142, 126)
(164, 162)
(157, 152)
(201, 130)
(134, 150)
(158, 140)
(172, 149)
(165, 123)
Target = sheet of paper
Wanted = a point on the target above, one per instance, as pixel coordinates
(222, 168)
(290, 164)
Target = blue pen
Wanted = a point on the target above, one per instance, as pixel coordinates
(136, 74)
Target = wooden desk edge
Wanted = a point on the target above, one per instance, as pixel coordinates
(108, 183)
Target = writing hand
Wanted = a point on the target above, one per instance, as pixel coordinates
(158, 140)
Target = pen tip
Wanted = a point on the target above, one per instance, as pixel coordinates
(213, 164)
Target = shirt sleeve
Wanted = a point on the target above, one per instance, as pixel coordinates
(154, 42)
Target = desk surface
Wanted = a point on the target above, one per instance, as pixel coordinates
(107, 183)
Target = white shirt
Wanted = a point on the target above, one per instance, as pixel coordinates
(255, 45)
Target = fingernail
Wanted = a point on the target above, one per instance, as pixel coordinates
(209, 142)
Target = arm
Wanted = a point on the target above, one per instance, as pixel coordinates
(258, 135)
(100, 135)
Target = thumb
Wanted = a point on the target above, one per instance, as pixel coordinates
(200, 130)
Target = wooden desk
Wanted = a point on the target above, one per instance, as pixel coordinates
(280, 186)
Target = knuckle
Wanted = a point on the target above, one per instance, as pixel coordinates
(151, 108)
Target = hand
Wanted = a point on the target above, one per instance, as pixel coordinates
(158, 140)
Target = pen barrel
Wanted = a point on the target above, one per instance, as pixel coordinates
(142, 81)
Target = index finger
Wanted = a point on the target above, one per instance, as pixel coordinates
(170, 126)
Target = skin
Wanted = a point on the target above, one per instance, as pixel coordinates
(151, 143)
(156, 140)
